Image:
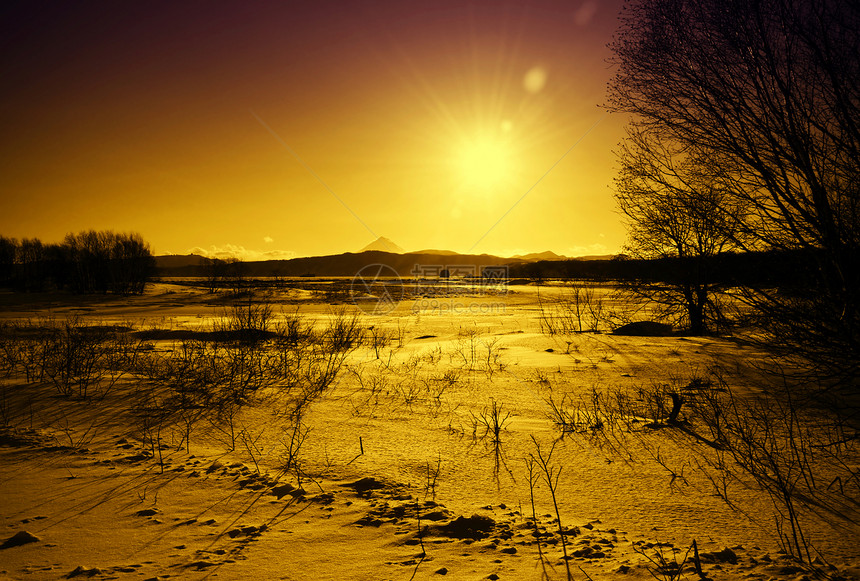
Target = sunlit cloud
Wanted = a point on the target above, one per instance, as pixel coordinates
(241, 253)
(268, 239)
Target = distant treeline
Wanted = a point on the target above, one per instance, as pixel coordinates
(780, 268)
(87, 262)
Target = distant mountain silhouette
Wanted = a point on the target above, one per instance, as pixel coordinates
(349, 263)
(383, 244)
(434, 251)
(597, 257)
(179, 260)
(547, 255)
(763, 268)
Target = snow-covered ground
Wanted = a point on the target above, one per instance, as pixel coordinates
(401, 439)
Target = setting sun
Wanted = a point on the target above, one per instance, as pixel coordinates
(484, 163)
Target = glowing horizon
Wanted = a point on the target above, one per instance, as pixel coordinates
(311, 131)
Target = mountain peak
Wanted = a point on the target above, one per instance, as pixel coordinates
(383, 244)
(535, 256)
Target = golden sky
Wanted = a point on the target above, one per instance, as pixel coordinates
(282, 129)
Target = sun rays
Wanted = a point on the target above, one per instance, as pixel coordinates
(483, 163)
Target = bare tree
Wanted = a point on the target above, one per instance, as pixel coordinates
(215, 269)
(236, 271)
(130, 263)
(769, 92)
(757, 102)
(678, 208)
(30, 262)
(104, 261)
(8, 248)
